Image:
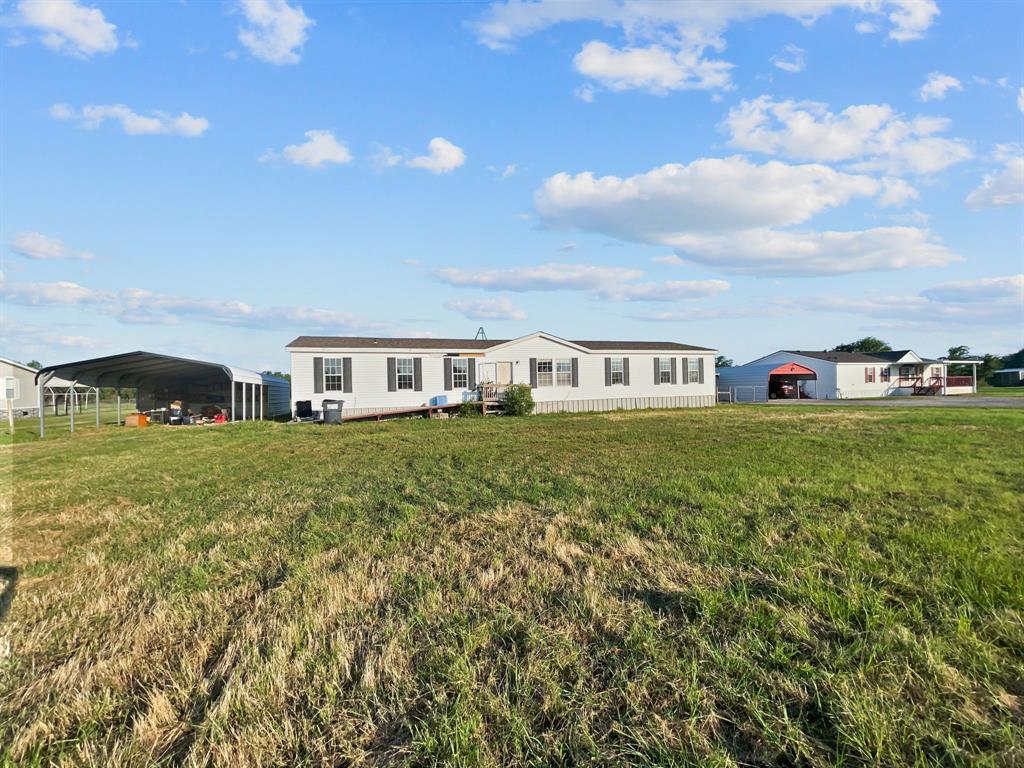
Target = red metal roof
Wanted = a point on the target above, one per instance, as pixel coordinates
(791, 369)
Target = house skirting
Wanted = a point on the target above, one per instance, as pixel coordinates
(624, 403)
(584, 406)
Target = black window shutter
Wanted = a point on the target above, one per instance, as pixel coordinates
(673, 379)
(417, 374)
(607, 371)
(447, 374)
(700, 370)
(318, 375)
(346, 374)
(392, 375)
(686, 370)
(472, 373)
(657, 370)
(625, 371)
(575, 371)
(533, 372)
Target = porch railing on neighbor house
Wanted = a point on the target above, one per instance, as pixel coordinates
(959, 381)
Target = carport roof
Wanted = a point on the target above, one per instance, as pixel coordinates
(130, 368)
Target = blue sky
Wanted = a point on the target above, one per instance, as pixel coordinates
(213, 179)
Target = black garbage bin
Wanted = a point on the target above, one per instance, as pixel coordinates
(332, 411)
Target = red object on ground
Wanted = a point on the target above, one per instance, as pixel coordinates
(219, 419)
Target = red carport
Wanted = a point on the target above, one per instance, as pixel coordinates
(784, 382)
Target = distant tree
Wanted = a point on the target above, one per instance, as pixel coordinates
(867, 345)
(989, 363)
(1016, 360)
(34, 364)
(724, 362)
(279, 374)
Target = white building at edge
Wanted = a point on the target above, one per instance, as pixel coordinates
(377, 374)
(841, 375)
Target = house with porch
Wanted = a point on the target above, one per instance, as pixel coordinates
(805, 374)
(378, 375)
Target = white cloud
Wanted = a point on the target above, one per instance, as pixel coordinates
(318, 151)
(667, 41)
(937, 86)
(791, 59)
(985, 289)
(671, 290)
(865, 27)
(275, 31)
(790, 253)
(68, 27)
(1020, 99)
(568, 246)
(1000, 188)
(585, 93)
(508, 170)
(141, 306)
(36, 245)
(993, 301)
(92, 116)
(487, 309)
(727, 213)
(896, 192)
(653, 68)
(709, 194)
(546, 277)
(610, 283)
(874, 135)
(60, 293)
(383, 158)
(443, 157)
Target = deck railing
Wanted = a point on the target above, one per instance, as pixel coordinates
(959, 381)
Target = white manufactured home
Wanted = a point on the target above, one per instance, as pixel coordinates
(376, 375)
(799, 374)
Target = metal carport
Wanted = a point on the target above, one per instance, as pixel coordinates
(260, 396)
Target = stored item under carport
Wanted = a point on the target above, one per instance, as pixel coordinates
(136, 420)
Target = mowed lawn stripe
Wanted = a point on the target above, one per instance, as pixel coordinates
(729, 586)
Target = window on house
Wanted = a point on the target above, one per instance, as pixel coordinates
(460, 373)
(333, 374)
(10, 388)
(564, 373)
(545, 373)
(693, 370)
(618, 375)
(886, 374)
(665, 370)
(869, 375)
(404, 371)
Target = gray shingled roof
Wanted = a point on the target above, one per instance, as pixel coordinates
(381, 342)
(838, 357)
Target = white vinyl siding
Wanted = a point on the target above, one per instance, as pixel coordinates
(334, 379)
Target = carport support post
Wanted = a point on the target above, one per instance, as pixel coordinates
(74, 397)
(245, 395)
(232, 399)
(97, 407)
(119, 406)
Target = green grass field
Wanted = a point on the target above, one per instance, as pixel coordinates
(718, 587)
